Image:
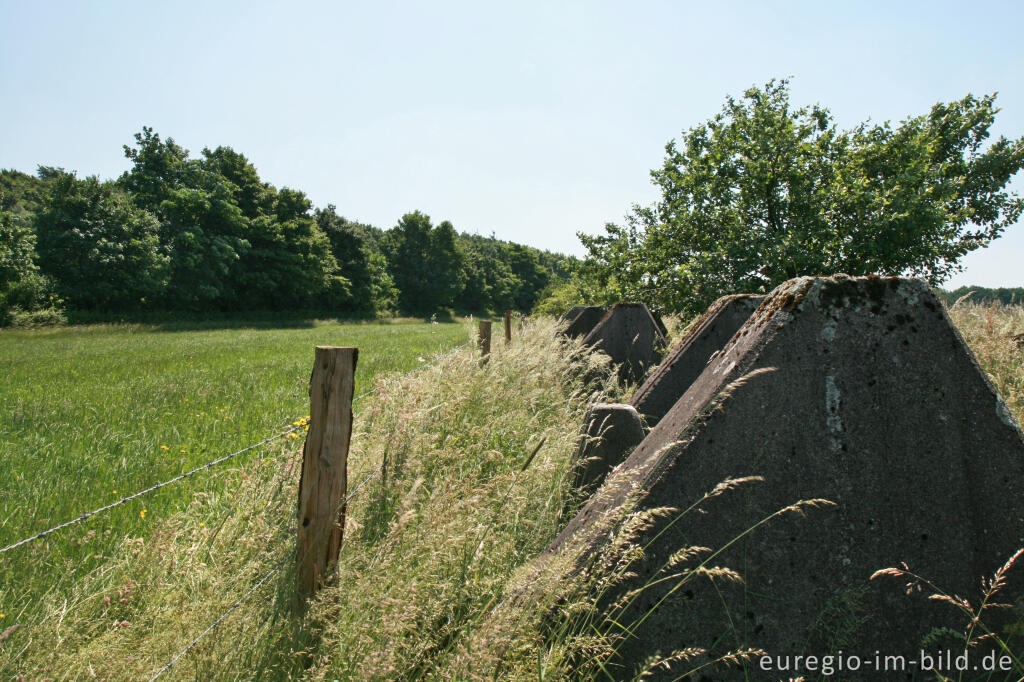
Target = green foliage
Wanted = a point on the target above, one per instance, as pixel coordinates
(560, 296)
(22, 287)
(764, 192)
(207, 236)
(1006, 296)
(254, 197)
(505, 276)
(100, 249)
(21, 194)
(424, 262)
(489, 283)
(371, 288)
(36, 318)
(157, 168)
(289, 261)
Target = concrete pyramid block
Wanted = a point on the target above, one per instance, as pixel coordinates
(609, 433)
(683, 365)
(629, 335)
(571, 313)
(583, 321)
(857, 390)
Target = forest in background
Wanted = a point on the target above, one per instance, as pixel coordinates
(190, 236)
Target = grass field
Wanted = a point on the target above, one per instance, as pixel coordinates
(91, 414)
(428, 546)
(473, 491)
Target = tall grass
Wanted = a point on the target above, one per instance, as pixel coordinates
(996, 335)
(91, 414)
(472, 488)
(435, 578)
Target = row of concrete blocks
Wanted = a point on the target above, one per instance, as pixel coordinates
(627, 334)
(859, 391)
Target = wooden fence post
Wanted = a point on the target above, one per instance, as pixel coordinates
(508, 327)
(485, 341)
(324, 481)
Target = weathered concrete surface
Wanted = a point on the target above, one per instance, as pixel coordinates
(866, 396)
(683, 365)
(609, 433)
(584, 321)
(571, 313)
(629, 335)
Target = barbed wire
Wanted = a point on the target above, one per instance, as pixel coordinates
(214, 624)
(124, 500)
(292, 429)
(191, 645)
(238, 602)
(252, 590)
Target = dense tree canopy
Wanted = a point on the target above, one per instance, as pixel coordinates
(22, 286)
(100, 249)
(764, 192)
(425, 263)
(175, 233)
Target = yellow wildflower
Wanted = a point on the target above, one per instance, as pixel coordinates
(164, 447)
(142, 514)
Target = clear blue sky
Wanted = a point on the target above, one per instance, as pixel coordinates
(531, 120)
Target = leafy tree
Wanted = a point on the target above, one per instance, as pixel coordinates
(351, 250)
(158, 168)
(424, 262)
(254, 197)
(205, 233)
(530, 276)
(21, 284)
(764, 192)
(490, 284)
(446, 257)
(102, 251)
(208, 234)
(21, 194)
(385, 292)
(289, 263)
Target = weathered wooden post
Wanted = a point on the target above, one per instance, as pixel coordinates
(324, 481)
(508, 327)
(485, 341)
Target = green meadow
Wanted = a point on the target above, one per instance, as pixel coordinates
(91, 414)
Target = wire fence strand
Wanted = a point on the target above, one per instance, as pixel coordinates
(238, 602)
(124, 500)
(292, 429)
(214, 624)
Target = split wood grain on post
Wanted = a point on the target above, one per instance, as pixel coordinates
(485, 341)
(324, 480)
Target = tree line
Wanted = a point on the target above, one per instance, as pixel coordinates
(1004, 295)
(208, 235)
